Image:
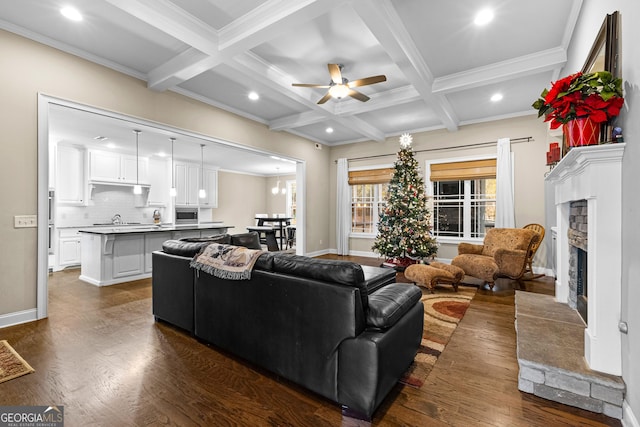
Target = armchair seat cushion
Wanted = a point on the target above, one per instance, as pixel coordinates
(478, 266)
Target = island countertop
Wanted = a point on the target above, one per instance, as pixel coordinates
(147, 228)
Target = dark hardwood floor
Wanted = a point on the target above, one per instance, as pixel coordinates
(102, 356)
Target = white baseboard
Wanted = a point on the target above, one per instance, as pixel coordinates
(18, 317)
(318, 253)
(628, 417)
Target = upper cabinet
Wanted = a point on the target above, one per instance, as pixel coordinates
(106, 166)
(211, 187)
(160, 181)
(188, 183)
(71, 184)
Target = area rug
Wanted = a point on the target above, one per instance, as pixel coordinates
(11, 364)
(443, 311)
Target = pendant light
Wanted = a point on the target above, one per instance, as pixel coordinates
(202, 193)
(137, 189)
(172, 190)
(276, 189)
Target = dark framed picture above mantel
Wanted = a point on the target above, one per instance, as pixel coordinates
(605, 56)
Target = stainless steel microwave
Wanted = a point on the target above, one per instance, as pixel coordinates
(186, 215)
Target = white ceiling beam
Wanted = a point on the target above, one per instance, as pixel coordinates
(167, 17)
(269, 20)
(259, 70)
(389, 98)
(383, 21)
(500, 71)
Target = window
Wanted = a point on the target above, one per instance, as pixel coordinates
(291, 200)
(368, 198)
(367, 202)
(464, 198)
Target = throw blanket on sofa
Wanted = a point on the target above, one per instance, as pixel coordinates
(226, 261)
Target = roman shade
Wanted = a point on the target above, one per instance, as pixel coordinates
(460, 171)
(371, 176)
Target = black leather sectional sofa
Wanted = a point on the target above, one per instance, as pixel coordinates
(344, 331)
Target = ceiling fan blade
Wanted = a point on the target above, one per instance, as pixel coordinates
(358, 95)
(367, 81)
(336, 75)
(325, 98)
(309, 85)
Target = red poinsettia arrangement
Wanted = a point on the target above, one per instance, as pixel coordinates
(597, 96)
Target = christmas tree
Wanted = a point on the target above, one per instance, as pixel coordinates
(404, 227)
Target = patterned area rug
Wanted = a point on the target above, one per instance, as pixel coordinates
(11, 364)
(442, 313)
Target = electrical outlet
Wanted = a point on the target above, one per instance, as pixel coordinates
(25, 221)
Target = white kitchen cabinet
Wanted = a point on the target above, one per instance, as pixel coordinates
(188, 178)
(69, 248)
(71, 185)
(160, 181)
(211, 187)
(128, 255)
(107, 166)
(187, 184)
(153, 242)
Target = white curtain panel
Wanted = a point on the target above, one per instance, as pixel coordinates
(343, 214)
(505, 207)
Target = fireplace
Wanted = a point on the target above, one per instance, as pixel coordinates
(586, 187)
(578, 256)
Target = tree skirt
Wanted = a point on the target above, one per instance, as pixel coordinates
(442, 313)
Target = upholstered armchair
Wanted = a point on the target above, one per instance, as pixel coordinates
(504, 253)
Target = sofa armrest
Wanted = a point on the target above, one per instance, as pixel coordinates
(470, 248)
(389, 303)
(511, 262)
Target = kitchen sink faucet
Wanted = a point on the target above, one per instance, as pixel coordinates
(117, 219)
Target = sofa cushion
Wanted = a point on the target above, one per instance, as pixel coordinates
(191, 248)
(389, 303)
(377, 277)
(249, 240)
(224, 239)
(324, 270)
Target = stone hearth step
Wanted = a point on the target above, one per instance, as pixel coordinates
(550, 338)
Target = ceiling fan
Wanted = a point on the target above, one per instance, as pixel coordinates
(339, 87)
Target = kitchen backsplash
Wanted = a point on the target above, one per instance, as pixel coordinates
(106, 202)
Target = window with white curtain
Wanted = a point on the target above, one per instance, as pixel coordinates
(463, 198)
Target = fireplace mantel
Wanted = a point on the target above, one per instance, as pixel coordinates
(594, 173)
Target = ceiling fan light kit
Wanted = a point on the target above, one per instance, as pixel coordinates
(340, 87)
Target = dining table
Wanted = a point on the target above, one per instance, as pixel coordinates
(282, 223)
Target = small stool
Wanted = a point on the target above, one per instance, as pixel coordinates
(433, 274)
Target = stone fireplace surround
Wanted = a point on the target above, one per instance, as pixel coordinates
(594, 174)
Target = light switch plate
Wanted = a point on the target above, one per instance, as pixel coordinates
(25, 221)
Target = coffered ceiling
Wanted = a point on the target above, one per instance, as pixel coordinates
(441, 68)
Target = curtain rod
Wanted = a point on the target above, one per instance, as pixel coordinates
(457, 147)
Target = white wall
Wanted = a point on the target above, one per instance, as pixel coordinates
(591, 17)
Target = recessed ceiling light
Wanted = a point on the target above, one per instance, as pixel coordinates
(71, 13)
(329, 130)
(496, 97)
(111, 145)
(254, 96)
(162, 154)
(100, 138)
(483, 17)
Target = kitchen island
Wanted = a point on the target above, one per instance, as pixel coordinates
(122, 253)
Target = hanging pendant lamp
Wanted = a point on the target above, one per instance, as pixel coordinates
(202, 193)
(172, 190)
(137, 189)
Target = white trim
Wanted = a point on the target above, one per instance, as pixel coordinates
(321, 252)
(628, 417)
(18, 317)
